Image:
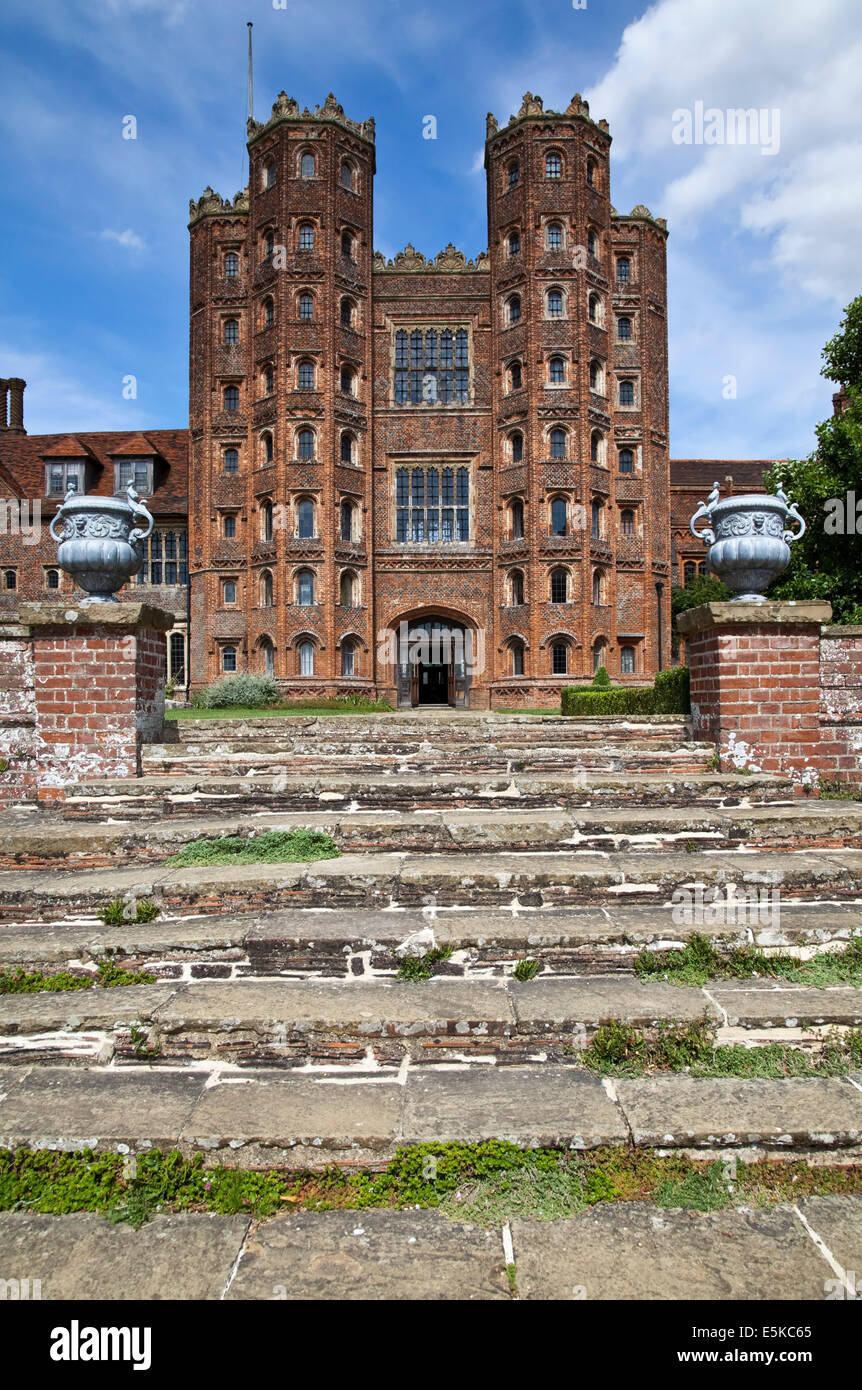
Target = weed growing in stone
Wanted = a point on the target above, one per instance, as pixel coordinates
(701, 960)
(619, 1049)
(269, 847)
(118, 912)
(526, 970)
(109, 975)
(415, 968)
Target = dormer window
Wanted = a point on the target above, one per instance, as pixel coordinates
(138, 472)
(63, 474)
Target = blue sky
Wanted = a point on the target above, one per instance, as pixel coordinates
(763, 253)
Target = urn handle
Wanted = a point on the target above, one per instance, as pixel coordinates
(59, 515)
(792, 515)
(139, 510)
(705, 509)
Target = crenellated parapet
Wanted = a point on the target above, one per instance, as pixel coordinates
(211, 204)
(533, 106)
(641, 213)
(412, 262)
(285, 108)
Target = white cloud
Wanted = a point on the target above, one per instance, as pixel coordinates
(128, 238)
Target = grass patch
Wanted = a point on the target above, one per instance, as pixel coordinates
(839, 791)
(486, 1183)
(269, 847)
(308, 708)
(618, 1049)
(120, 911)
(701, 960)
(108, 975)
(415, 968)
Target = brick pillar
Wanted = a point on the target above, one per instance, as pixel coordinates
(755, 685)
(98, 681)
(841, 703)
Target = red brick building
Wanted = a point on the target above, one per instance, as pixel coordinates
(429, 480)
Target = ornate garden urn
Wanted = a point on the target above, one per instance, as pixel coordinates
(749, 544)
(100, 543)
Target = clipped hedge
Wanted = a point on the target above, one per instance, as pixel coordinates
(250, 691)
(669, 695)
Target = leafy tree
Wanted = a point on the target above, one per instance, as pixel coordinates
(827, 562)
(704, 589)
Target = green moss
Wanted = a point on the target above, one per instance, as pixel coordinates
(526, 970)
(120, 911)
(269, 847)
(619, 1049)
(415, 968)
(701, 960)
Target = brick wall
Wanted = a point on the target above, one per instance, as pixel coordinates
(841, 703)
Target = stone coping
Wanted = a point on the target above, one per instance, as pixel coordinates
(50, 613)
(835, 631)
(753, 614)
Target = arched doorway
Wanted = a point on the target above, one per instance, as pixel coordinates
(433, 660)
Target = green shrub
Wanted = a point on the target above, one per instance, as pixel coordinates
(669, 695)
(251, 691)
(672, 691)
(601, 680)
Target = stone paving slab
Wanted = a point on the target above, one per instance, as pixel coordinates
(528, 1106)
(79, 1009)
(776, 1005)
(638, 1251)
(185, 1255)
(601, 998)
(59, 942)
(838, 1223)
(337, 1255)
(75, 1108)
(668, 1111)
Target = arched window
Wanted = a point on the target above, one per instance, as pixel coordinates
(624, 266)
(558, 444)
(593, 242)
(306, 658)
(597, 446)
(559, 520)
(346, 447)
(306, 166)
(347, 510)
(268, 313)
(553, 165)
(346, 313)
(228, 591)
(228, 659)
(305, 444)
(599, 651)
(559, 586)
(268, 653)
(231, 398)
(689, 572)
(595, 375)
(514, 173)
(559, 659)
(305, 519)
(265, 589)
(269, 175)
(554, 304)
(347, 589)
(268, 380)
(554, 236)
(595, 310)
(517, 650)
(516, 515)
(346, 175)
(305, 588)
(306, 306)
(348, 654)
(306, 376)
(592, 170)
(230, 528)
(627, 393)
(266, 521)
(52, 579)
(557, 371)
(268, 243)
(514, 243)
(266, 446)
(627, 461)
(598, 587)
(231, 331)
(516, 588)
(515, 377)
(306, 236)
(514, 308)
(346, 380)
(517, 442)
(624, 329)
(231, 461)
(627, 661)
(627, 522)
(596, 519)
(10, 579)
(231, 265)
(347, 245)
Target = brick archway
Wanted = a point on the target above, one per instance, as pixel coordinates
(432, 655)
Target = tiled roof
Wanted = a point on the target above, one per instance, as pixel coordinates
(702, 473)
(22, 458)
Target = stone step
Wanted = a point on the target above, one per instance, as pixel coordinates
(303, 1121)
(50, 839)
(423, 1255)
(463, 727)
(675, 761)
(152, 796)
(387, 881)
(379, 1023)
(326, 942)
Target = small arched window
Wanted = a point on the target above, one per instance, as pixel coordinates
(597, 586)
(347, 510)
(514, 173)
(346, 379)
(624, 329)
(593, 242)
(592, 173)
(599, 650)
(554, 304)
(231, 461)
(346, 175)
(553, 165)
(624, 267)
(689, 572)
(305, 444)
(265, 589)
(346, 447)
(347, 245)
(228, 591)
(231, 331)
(517, 650)
(269, 175)
(559, 659)
(231, 265)
(305, 519)
(267, 651)
(306, 237)
(627, 461)
(306, 376)
(557, 371)
(517, 447)
(52, 579)
(231, 398)
(268, 380)
(515, 377)
(268, 313)
(595, 375)
(627, 522)
(627, 661)
(266, 521)
(558, 444)
(514, 308)
(348, 659)
(266, 446)
(559, 586)
(514, 243)
(230, 528)
(306, 306)
(516, 515)
(627, 393)
(10, 579)
(306, 166)
(597, 447)
(516, 588)
(554, 236)
(346, 313)
(306, 658)
(595, 519)
(559, 522)
(348, 586)
(268, 243)
(305, 589)
(595, 310)
(228, 659)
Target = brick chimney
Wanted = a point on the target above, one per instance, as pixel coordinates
(12, 415)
